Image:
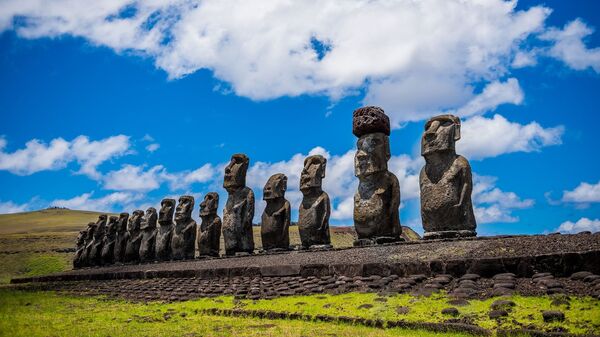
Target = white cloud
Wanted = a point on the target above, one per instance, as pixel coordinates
(491, 204)
(493, 95)
(489, 137)
(569, 47)
(138, 178)
(38, 156)
(584, 193)
(114, 202)
(7, 207)
(152, 147)
(583, 224)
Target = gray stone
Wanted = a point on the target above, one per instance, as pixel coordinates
(450, 311)
(148, 242)
(209, 235)
(95, 252)
(122, 236)
(275, 220)
(108, 244)
(315, 208)
(446, 182)
(239, 208)
(132, 251)
(494, 314)
(553, 316)
(376, 203)
(502, 305)
(580, 275)
(80, 248)
(183, 240)
(164, 234)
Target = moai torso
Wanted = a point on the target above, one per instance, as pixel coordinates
(165, 230)
(275, 220)
(148, 241)
(122, 237)
(99, 233)
(377, 201)
(315, 208)
(183, 240)
(79, 249)
(209, 235)
(132, 250)
(108, 245)
(239, 209)
(445, 181)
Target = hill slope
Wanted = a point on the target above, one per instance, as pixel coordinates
(46, 220)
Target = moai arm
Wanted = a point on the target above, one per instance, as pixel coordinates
(395, 190)
(250, 207)
(325, 204)
(286, 213)
(465, 179)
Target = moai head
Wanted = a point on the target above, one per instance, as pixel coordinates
(122, 222)
(372, 127)
(210, 204)
(441, 133)
(275, 187)
(167, 208)
(90, 231)
(111, 226)
(135, 220)
(235, 172)
(100, 227)
(81, 237)
(149, 221)
(184, 208)
(313, 172)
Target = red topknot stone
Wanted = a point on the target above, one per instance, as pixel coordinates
(370, 119)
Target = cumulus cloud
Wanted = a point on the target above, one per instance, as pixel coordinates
(489, 137)
(143, 179)
(584, 193)
(583, 224)
(569, 47)
(7, 207)
(152, 147)
(491, 204)
(38, 156)
(113, 202)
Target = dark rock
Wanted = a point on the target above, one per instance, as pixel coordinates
(591, 278)
(315, 208)
(108, 244)
(402, 310)
(494, 314)
(121, 237)
(165, 230)
(209, 234)
(148, 232)
(450, 311)
(239, 209)
(275, 220)
(446, 182)
(132, 251)
(459, 302)
(502, 305)
(365, 306)
(553, 316)
(538, 275)
(370, 119)
(580, 275)
(472, 277)
(183, 240)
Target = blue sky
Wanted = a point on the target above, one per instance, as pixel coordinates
(114, 107)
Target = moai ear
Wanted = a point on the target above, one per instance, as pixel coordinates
(323, 167)
(456, 131)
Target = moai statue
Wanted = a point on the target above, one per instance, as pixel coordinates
(209, 236)
(239, 209)
(165, 230)
(89, 243)
(183, 240)
(95, 256)
(108, 244)
(122, 237)
(313, 218)
(446, 182)
(275, 220)
(79, 249)
(132, 251)
(376, 203)
(148, 242)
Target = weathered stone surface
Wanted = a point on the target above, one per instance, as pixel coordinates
(445, 181)
(183, 240)
(122, 237)
(450, 311)
(553, 316)
(95, 253)
(275, 220)
(165, 230)
(239, 209)
(132, 251)
(148, 242)
(494, 314)
(80, 248)
(108, 243)
(315, 208)
(376, 203)
(209, 236)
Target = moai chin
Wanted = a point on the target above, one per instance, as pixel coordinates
(79, 249)
(148, 241)
(183, 240)
(275, 220)
(446, 182)
(313, 217)
(95, 256)
(122, 236)
(209, 236)
(108, 244)
(165, 229)
(239, 208)
(132, 251)
(376, 203)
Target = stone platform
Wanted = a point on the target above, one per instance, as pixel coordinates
(560, 255)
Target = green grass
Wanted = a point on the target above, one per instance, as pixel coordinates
(32, 264)
(47, 314)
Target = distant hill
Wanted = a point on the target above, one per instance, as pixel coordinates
(46, 220)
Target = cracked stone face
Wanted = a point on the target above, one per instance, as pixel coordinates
(235, 172)
(210, 204)
(313, 172)
(441, 134)
(372, 154)
(167, 209)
